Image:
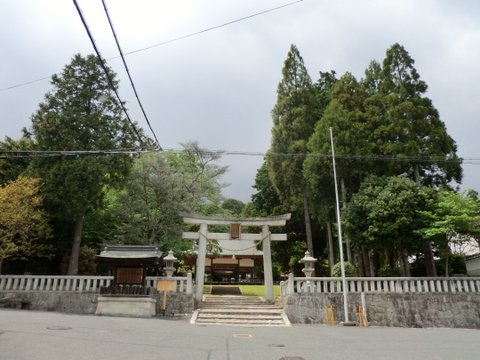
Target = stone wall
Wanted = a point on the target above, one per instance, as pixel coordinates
(86, 303)
(400, 310)
(67, 302)
(177, 304)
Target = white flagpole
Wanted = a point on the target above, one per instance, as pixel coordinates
(339, 223)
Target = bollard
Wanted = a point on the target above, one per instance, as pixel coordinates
(362, 319)
(329, 316)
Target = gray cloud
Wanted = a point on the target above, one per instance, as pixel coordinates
(219, 87)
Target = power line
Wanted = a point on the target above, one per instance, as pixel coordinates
(14, 154)
(25, 83)
(5, 154)
(107, 74)
(129, 76)
(172, 40)
(212, 28)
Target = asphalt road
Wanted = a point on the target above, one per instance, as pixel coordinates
(30, 335)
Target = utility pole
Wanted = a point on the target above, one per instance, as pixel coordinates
(340, 244)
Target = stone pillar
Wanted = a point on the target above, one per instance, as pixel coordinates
(267, 264)
(200, 270)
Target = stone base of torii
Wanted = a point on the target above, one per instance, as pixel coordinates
(235, 234)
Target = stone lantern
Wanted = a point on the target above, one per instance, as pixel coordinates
(170, 261)
(309, 263)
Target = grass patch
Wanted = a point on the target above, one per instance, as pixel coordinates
(247, 290)
(258, 290)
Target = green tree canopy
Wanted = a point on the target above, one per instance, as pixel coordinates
(294, 117)
(384, 216)
(234, 206)
(80, 113)
(452, 219)
(345, 115)
(159, 188)
(11, 167)
(24, 226)
(406, 124)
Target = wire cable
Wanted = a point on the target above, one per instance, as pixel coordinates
(107, 74)
(128, 73)
(183, 37)
(5, 154)
(172, 40)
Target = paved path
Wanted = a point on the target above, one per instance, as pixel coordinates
(29, 335)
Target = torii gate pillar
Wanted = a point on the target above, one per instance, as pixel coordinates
(267, 264)
(200, 270)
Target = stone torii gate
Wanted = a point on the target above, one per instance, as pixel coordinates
(249, 239)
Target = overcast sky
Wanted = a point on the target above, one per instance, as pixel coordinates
(219, 87)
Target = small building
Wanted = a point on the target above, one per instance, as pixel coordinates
(234, 263)
(472, 263)
(129, 295)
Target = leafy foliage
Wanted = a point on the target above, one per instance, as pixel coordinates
(80, 113)
(12, 167)
(24, 225)
(404, 122)
(349, 270)
(384, 216)
(294, 117)
(452, 219)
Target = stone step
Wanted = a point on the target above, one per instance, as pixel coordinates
(202, 315)
(240, 322)
(260, 301)
(220, 305)
(241, 311)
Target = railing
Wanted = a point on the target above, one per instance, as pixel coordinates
(329, 285)
(182, 284)
(79, 283)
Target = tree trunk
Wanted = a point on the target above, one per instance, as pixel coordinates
(1, 263)
(77, 240)
(428, 253)
(372, 265)
(331, 251)
(416, 174)
(366, 263)
(405, 264)
(344, 205)
(429, 260)
(446, 264)
(308, 225)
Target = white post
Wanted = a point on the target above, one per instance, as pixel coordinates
(200, 270)
(267, 264)
(189, 283)
(291, 284)
(339, 223)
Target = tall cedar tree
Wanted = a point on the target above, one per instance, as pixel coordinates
(294, 117)
(344, 113)
(80, 113)
(406, 124)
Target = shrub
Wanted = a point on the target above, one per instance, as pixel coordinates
(349, 270)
